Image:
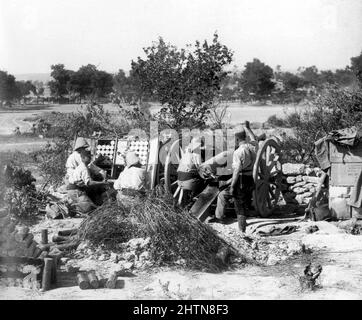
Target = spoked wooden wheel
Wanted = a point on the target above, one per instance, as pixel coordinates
(171, 164)
(267, 177)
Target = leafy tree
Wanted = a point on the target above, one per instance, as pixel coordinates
(39, 85)
(356, 67)
(291, 81)
(61, 76)
(24, 88)
(230, 87)
(91, 83)
(344, 77)
(257, 79)
(327, 77)
(310, 76)
(8, 88)
(127, 89)
(185, 82)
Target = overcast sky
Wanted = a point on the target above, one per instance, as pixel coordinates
(110, 33)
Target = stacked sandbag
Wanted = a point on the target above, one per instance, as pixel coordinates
(301, 182)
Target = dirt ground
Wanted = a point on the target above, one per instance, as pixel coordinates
(339, 253)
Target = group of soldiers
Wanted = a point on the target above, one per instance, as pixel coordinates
(239, 187)
(84, 175)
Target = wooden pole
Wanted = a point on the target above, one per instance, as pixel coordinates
(28, 240)
(83, 281)
(93, 280)
(31, 249)
(68, 246)
(47, 274)
(61, 238)
(67, 233)
(111, 282)
(37, 252)
(44, 236)
(55, 258)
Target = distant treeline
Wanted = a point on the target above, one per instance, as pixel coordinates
(256, 81)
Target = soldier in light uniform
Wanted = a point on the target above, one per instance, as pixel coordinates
(75, 159)
(241, 183)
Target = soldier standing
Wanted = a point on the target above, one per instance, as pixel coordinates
(242, 182)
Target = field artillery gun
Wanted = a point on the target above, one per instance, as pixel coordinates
(267, 174)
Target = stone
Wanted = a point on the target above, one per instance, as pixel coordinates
(113, 257)
(307, 194)
(88, 251)
(272, 260)
(310, 172)
(103, 257)
(129, 256)
(135, 243)
(291, 180)
(128, 265)
(83, 245)
(299, 184)
(138, 264)
(299, 198)
(311, 179)
(309, 185)
(146, 242)
(299, 190)
(299, 178)
(312, 189)
(293, 169)
(145, 256)
(307, 200)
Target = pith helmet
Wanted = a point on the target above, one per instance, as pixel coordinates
(131, 159)
(81, 143)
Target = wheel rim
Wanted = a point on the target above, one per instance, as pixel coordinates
(267, 177)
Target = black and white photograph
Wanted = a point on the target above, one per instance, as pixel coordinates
(179, 155)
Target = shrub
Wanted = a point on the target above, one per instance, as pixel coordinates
(332, 110)
(51, 161)
(275, 121)
(18, 192)
(24, 203)
(218, 116)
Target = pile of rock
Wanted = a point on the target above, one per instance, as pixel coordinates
(130, 255)
(300, 183)
(253, 248)
(22, 275)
